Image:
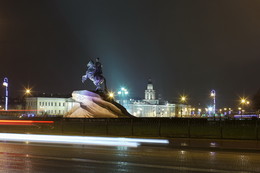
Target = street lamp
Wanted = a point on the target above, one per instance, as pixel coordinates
(28, 91)
(243, 102)
(183, 100)
(5, 83)
(213, 95)
(123, 92)
(111, 95)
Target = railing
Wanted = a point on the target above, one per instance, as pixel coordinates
(152, 127)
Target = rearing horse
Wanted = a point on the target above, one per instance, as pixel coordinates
(96, 78)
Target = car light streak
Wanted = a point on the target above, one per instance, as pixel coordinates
(62, 140)
(15, 110)
(23, 122)
(158, 141)
(85, 140)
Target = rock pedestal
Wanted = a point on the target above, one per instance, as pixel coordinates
(93, 105)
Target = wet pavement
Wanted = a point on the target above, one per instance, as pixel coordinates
(216, 144)
(180, 155)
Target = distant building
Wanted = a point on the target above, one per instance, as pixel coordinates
(57, 105)
(150, 94)
(151, 107)
(49, 105)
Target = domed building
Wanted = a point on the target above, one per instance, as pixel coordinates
(150, 106)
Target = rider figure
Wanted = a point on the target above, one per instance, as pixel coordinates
(98, 67)
(94, 73)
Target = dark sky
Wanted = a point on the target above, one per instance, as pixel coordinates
(185, 46)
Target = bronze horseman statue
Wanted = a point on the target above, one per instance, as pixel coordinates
(94, 73)
(97, 104)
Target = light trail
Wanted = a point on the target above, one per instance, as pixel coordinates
(16, 110)
(85, 140)
(23, 122)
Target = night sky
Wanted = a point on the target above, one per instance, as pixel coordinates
(184, 46)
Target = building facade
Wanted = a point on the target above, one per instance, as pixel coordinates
(152, 107)
(48, 105)
(148, 107)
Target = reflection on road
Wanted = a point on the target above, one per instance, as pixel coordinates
(37, 157)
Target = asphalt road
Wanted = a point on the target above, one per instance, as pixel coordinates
(163, 158)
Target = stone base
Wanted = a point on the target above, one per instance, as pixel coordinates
(95, 105)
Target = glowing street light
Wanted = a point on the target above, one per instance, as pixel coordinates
(5, 83)
(243, 102)
(28, 91)
(183, 99)
(111, 95)
(213, 95)
(123, 92)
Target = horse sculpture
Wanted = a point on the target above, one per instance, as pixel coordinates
(94, 73)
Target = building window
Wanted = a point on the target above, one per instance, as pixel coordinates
(59, 104)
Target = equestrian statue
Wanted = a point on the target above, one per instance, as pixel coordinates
(95, 74)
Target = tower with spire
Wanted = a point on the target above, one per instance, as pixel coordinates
(150, 94)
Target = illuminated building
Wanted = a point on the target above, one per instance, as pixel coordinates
(49, 105)
(150, 94)
(152, 107)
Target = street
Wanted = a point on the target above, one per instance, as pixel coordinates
(42, 157)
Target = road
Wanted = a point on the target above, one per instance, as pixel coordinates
(40, 157)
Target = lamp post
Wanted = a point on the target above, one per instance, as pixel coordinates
(122, 93)
(27, 93)
(213, 95)
(243, 102)
(183, 99)
(5, 83)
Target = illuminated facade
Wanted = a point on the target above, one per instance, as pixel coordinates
(151, 107)
(148, 107)
(150, 97)
(49, 105)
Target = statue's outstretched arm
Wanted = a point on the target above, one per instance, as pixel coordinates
(84, 78)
